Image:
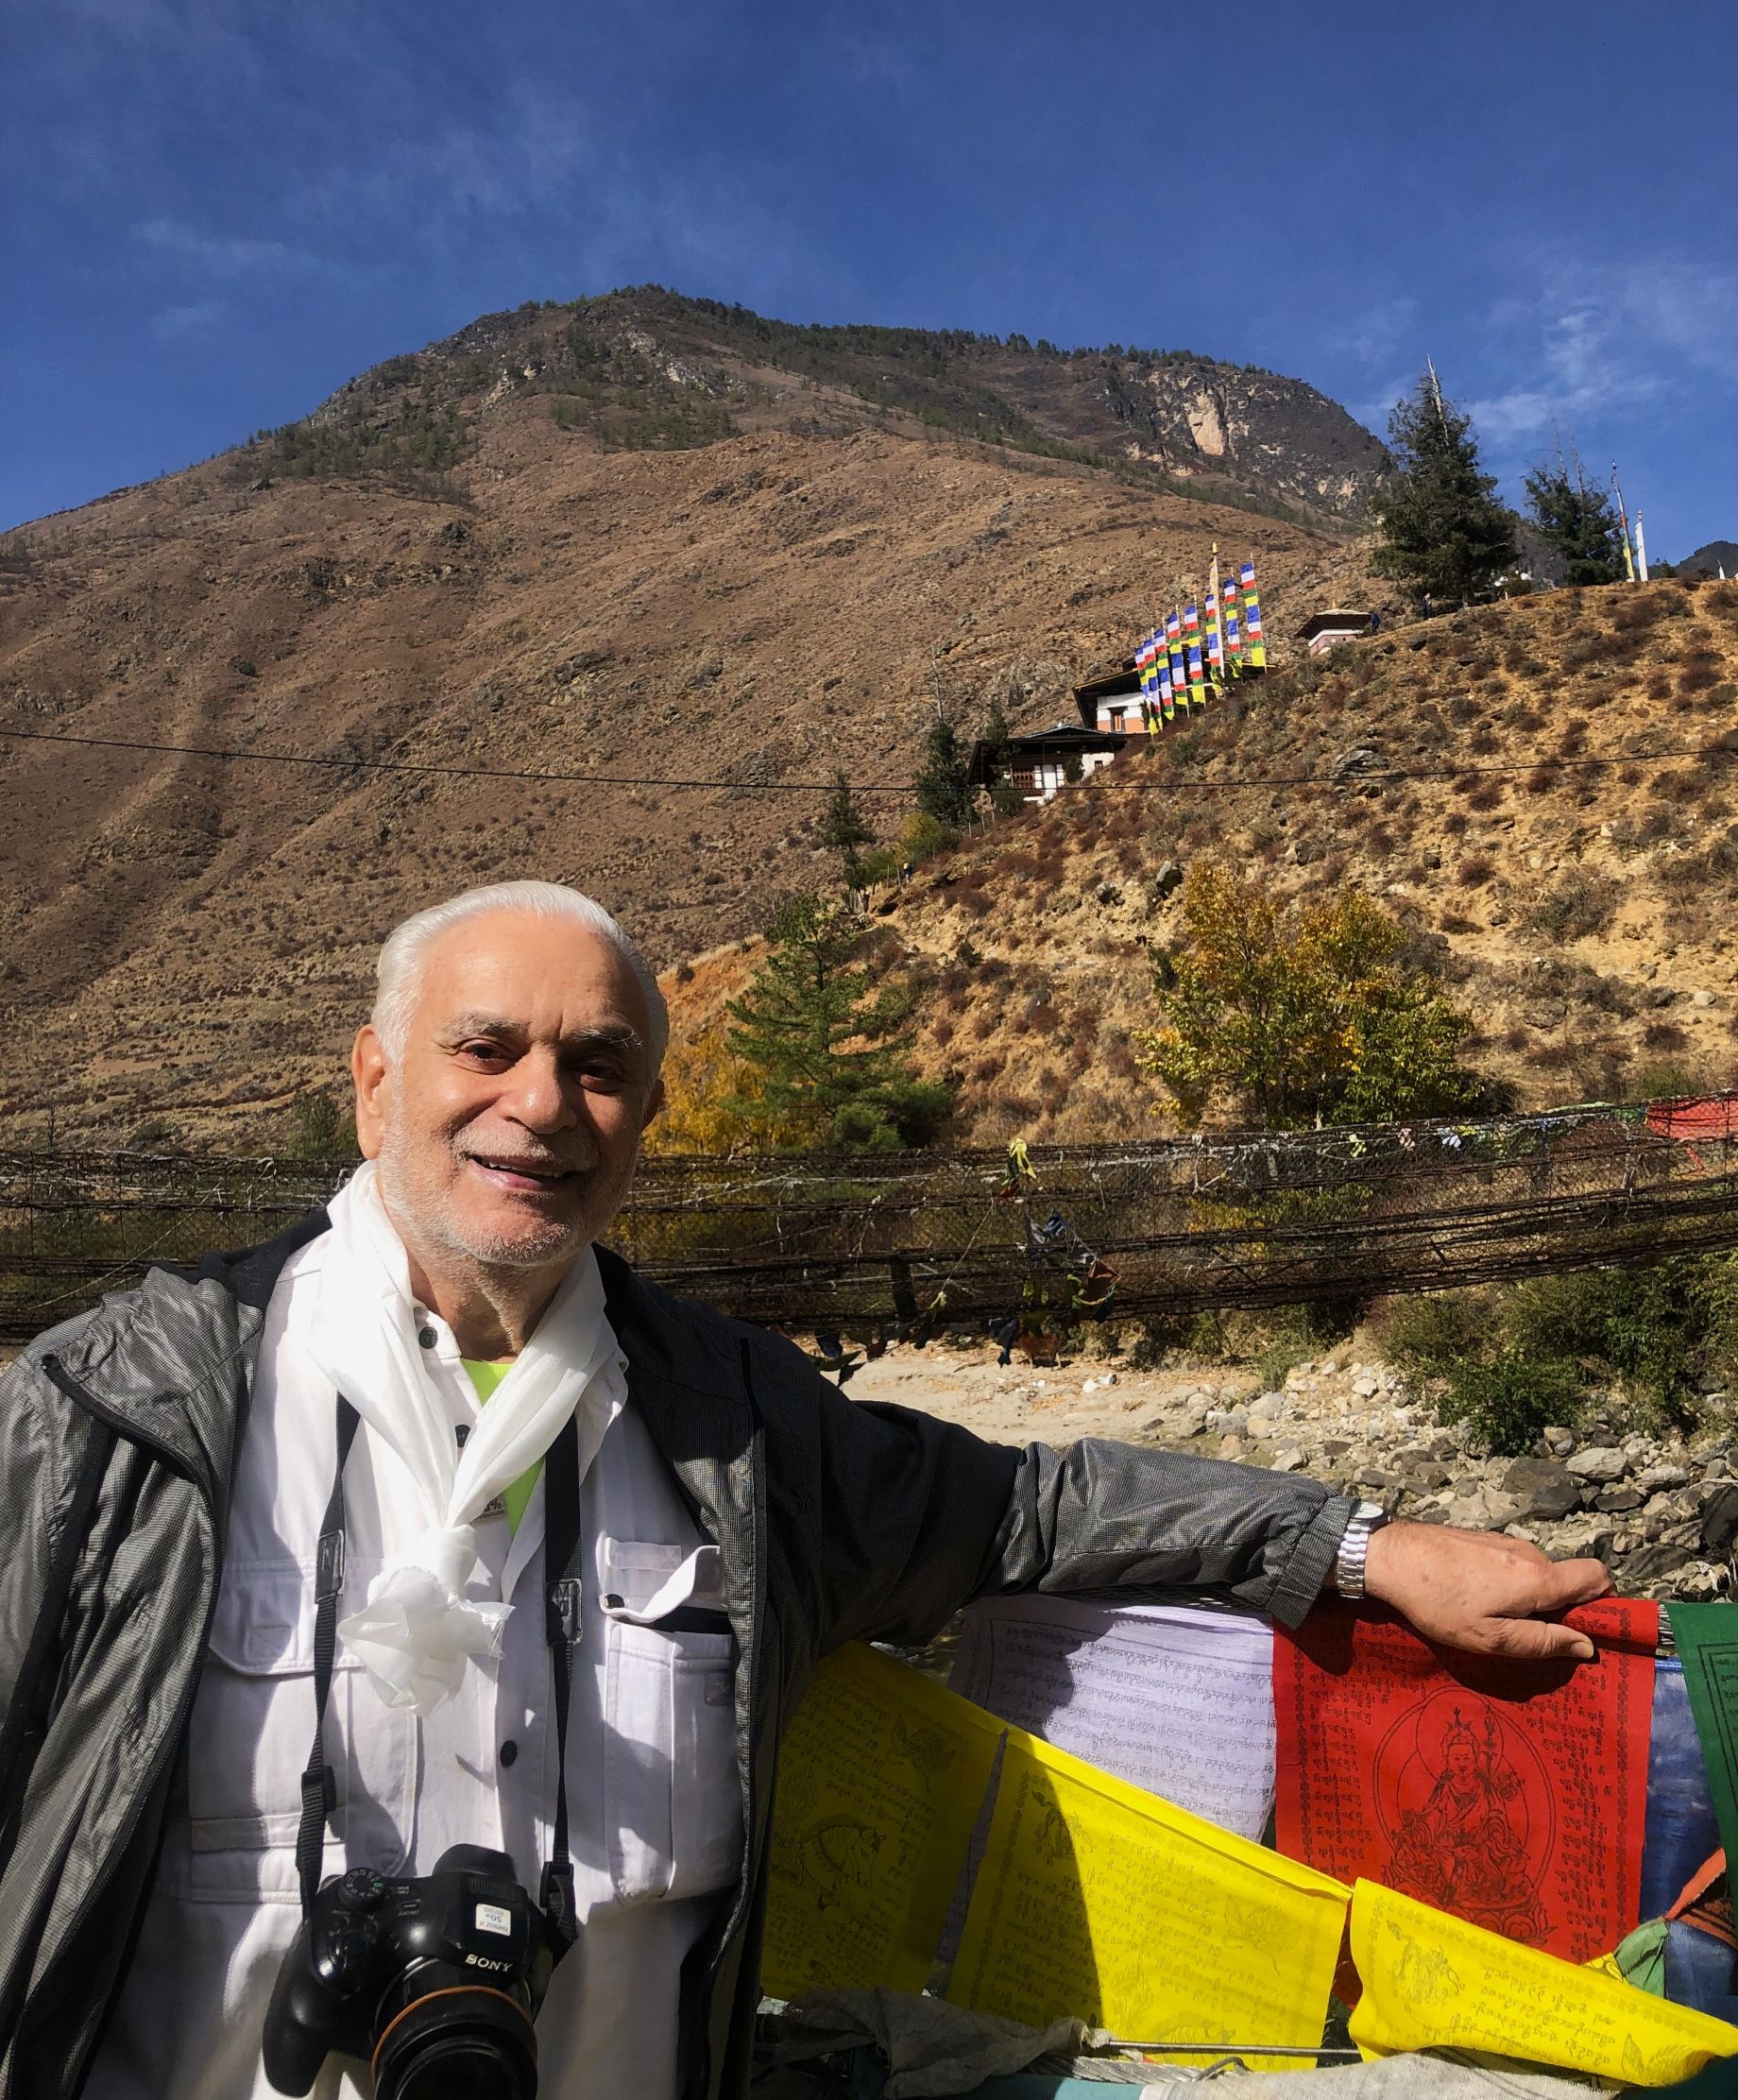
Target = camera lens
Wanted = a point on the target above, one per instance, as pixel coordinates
(454, 2039)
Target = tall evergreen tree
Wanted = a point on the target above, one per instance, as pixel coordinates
(1444, 530)
(1578, 522)
(944, 784)
(826, 1046)
(845, 830)
(1005, 798)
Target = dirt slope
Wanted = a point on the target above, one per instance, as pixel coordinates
(1584, 915)
(191, 940)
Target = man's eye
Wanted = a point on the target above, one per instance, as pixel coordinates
(494, 1053)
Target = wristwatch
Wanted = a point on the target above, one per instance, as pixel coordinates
(1354, 1548)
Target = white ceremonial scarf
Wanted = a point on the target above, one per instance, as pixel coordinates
(419, 1630)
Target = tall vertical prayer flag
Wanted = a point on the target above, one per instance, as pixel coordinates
(1216, 642)
(1512, 1794)
(1173, 649)
(1234, 631)
(1256, 649)
(1191, 648)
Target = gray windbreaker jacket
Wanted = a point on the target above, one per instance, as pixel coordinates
(835, 1521)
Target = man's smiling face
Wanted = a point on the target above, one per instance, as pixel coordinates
(507, 1130)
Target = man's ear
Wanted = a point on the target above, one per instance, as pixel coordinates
(373, 1089)
(655, 1101)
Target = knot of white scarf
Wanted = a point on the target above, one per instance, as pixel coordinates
(418, 1629)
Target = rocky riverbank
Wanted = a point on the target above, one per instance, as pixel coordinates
(1662, 1512)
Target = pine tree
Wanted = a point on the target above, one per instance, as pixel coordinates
(1443, 528)
(826, 1046)
(1578, 522)
(844, 828)
(1005, 798)
(944, 784)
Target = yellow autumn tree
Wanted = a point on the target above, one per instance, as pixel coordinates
(715, 1102)
(1292, 1014)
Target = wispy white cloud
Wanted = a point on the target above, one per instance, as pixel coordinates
(1375, 335)
(1598, 339)
(175, 322)
(219, 255)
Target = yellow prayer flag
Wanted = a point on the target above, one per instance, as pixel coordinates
(881, 1776)
(1098, 1900)
(1432, 1981)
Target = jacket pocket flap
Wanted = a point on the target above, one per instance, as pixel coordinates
(264, 1625)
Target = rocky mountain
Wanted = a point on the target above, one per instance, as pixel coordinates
(649, 368)
(604, 593)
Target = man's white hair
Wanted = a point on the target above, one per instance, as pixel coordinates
(399, 972)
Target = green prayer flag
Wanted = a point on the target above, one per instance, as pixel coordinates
(1642, 1957)
(1707, 1640)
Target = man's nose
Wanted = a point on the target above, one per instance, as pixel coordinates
(536, 1097)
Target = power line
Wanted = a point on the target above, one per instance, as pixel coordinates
(455, 772)
(1374, 775)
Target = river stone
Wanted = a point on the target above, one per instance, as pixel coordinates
(1653, 1562)
(1602, 1464)
(1266, 1405)
(1657, 1476)
(1720, 1519)
(1544, 1487)
(1617, 1499)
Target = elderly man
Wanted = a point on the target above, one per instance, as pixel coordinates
(432, 1468)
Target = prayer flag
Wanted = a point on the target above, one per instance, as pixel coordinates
(1173, 646)
(1098, 1900)
(1256, 647)
(1432, 1981)
(1707, 1640)
(1683, 1831)
(1233, 632)
(880, 1779)
(1215, 643)
(1511, 1793)
(1191, 646)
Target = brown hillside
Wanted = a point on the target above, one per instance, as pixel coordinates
(1584, 915)
(188, 942)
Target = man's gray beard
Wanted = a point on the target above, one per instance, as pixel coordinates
(420, 1211)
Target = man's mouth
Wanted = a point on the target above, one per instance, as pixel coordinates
(531, 1175)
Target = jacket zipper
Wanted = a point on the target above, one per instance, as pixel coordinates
(756, 1629)
(162, 1450)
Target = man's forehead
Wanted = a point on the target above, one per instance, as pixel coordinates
(515, 967)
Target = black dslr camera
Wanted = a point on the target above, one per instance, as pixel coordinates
(435, 1980)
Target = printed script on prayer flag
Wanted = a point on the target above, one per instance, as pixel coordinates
(880, 1778)
(1431, 1981)
(1097, 1899)
(1177, 1701)
(1512, 1794)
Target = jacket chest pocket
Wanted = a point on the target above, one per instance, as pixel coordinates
(671, 1803)
(251, 1732)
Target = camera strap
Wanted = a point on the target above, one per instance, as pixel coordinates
(563, 1591)
(319, 1786)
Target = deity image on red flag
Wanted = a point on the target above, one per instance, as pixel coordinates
(1512, 1794)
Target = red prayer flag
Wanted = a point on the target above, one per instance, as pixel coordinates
(1513, 1794)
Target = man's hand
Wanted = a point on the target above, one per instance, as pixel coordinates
(1482, 1590)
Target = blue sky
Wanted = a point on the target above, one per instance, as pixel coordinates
(218, 210)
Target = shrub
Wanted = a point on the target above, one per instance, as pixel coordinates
(1578, 906)
(321, 1128)
(1509, 1399)
(1474, 872)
